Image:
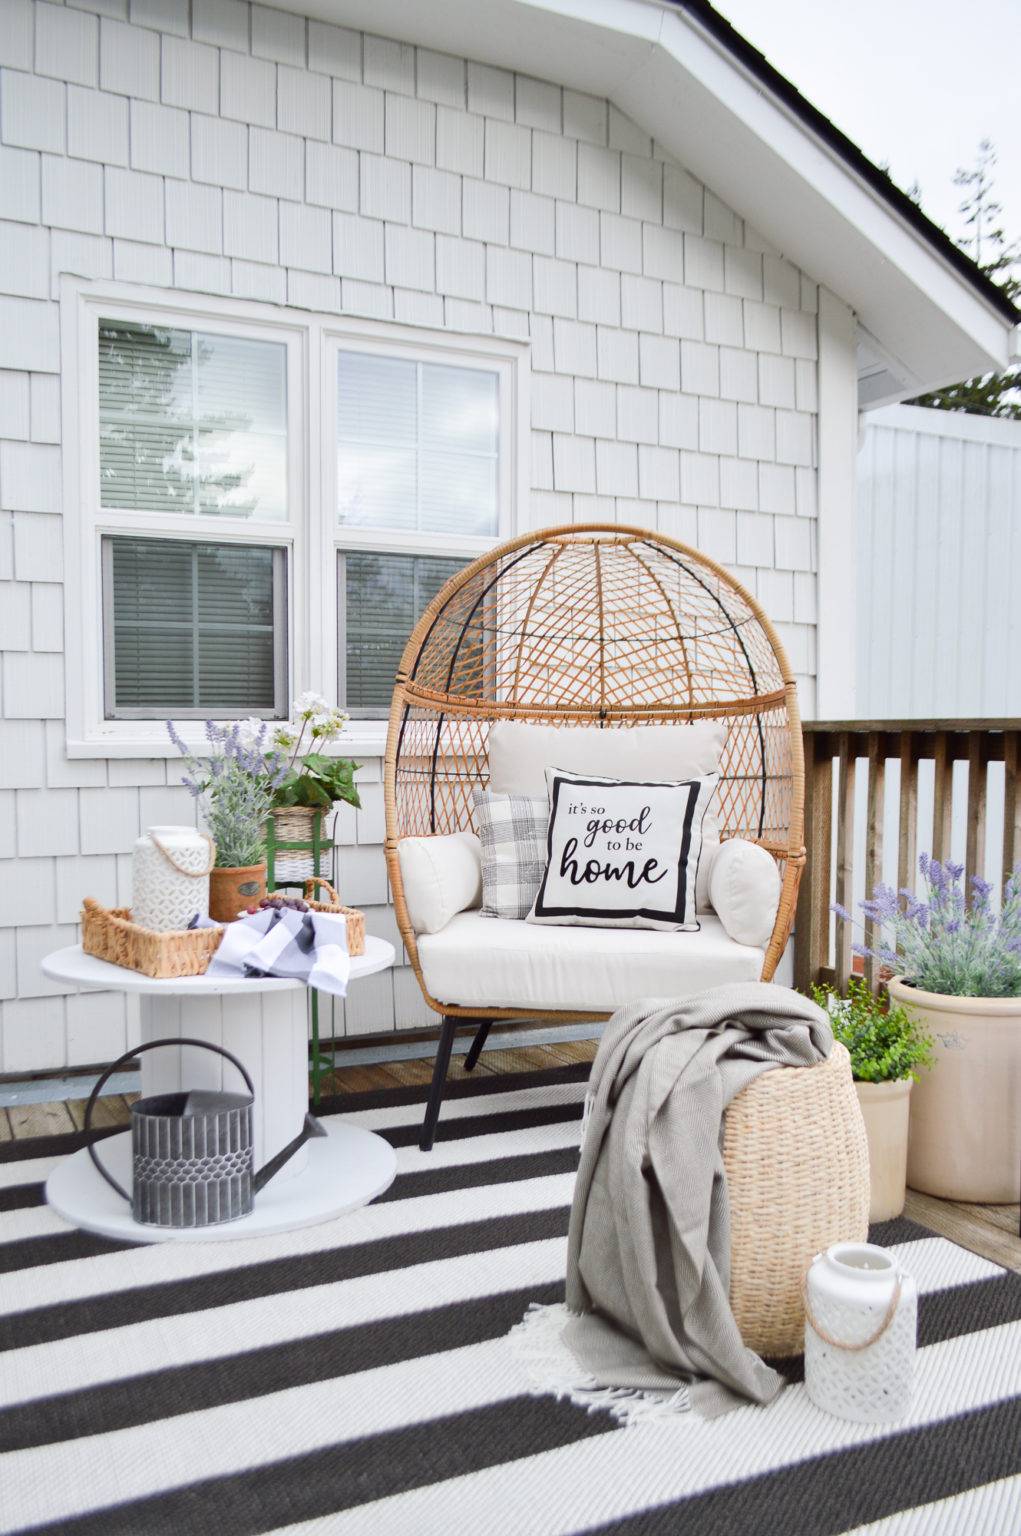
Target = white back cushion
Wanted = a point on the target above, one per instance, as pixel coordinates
(520, 753)
(744, 888)
(441, 876)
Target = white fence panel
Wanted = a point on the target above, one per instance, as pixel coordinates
(939, 582)
(939, 566)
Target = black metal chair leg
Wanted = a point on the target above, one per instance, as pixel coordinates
(471, 1061)
(432, 1108)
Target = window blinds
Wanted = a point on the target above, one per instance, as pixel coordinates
(192, 628)
(191, 423)
(417, 446)
(383, 596)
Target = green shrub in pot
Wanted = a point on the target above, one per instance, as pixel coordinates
(887, 1048)
(885, 1044)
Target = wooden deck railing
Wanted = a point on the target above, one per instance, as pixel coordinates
(837, 756)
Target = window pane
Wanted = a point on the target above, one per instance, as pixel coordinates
(456, 489)
(376, 486)
(459, 409)
(417, 445)
(190, 628)
(383, 598)
(376, 399)
(191, 423)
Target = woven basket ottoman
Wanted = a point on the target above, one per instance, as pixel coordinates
(798, 1179)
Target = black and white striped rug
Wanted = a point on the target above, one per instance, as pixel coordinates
(354, 1379)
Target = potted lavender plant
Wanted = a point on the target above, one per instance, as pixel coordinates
(236, 784)
(958, 975)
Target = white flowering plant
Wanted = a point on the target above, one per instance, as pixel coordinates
(311, 777)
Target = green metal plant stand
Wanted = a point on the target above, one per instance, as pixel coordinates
(317, 846)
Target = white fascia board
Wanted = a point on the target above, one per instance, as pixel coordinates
(658, 66)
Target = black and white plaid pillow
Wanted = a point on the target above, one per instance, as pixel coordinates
(512, 832)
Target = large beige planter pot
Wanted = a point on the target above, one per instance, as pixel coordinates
(884, 1108)
(964, 1139)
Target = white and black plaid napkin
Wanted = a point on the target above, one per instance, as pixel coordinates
(309, 946)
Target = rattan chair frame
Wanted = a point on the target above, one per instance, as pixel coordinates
(581, 701)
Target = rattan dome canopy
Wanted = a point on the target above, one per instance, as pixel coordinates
(595, 625)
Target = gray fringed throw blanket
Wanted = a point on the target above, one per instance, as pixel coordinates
(648, 1328)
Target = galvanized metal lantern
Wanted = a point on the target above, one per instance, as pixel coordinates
(191, 1152)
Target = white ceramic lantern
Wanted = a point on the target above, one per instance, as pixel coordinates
(170, 877)
(861, 1312)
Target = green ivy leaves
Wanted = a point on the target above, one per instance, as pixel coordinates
(883, 1041)
(317, 781)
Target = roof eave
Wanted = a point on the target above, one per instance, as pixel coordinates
(685, 84)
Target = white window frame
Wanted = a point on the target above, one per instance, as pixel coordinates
(311, 537)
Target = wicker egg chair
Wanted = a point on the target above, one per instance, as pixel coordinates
(590, 625)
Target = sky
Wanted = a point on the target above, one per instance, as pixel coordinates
(915, 83)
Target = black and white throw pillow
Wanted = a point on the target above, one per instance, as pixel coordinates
(512, 834)
(622, 854)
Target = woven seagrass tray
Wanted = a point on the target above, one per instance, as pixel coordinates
(355, 919)
(109, 934)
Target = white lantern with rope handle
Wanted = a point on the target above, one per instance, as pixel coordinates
(170, 877)
(861, 1312)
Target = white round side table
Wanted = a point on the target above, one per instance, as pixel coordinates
(263, 1021)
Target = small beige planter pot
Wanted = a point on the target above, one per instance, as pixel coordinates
(964, 1141)
(884, 1108)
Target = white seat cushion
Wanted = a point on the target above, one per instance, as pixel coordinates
(491, 962)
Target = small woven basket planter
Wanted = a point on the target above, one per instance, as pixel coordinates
(301, 836)
(109, 934)
(355, 919)
(797, 1165)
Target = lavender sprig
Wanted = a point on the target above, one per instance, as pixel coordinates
(236, 783)
(945, 942)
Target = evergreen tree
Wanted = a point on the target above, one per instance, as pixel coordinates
(989, 394)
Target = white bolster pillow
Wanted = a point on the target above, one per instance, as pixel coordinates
(442, 876)
(744, 888)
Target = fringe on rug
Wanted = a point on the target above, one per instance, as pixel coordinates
(537, 1342)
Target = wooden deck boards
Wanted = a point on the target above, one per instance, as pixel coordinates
(989, 1230)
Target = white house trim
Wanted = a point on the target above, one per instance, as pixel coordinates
(838, 447)
(312, 634)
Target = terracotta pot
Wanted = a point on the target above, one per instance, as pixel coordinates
(232, 890)
(884, 1108)
(964, 1139)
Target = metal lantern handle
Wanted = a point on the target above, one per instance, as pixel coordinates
(137, 1050)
